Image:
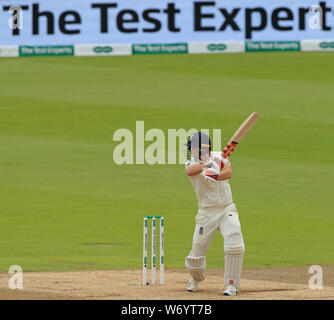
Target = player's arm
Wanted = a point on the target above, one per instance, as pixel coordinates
(195, 169)
(225, 173)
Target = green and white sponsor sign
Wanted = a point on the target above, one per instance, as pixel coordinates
(28, 51)
(216, 47)
(102, 49)
(169, 48)
(317, 45)
(9, 51)
(255, 46)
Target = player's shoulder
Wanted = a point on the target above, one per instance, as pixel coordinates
(190, 162)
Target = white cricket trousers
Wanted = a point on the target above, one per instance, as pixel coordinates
(227, 222)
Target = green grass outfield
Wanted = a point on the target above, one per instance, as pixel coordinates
(61, 192)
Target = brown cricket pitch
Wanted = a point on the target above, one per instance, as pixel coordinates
(288, 283)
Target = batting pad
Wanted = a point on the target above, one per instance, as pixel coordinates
(196, 267)
(234, 254)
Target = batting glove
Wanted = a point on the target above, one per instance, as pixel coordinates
(210, 174)
(216, 163)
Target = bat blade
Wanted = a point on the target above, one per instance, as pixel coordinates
(244, 128)
(240, 134)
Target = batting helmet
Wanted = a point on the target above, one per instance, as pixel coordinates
(201, 142)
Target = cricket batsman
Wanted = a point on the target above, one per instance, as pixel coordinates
(209, 173)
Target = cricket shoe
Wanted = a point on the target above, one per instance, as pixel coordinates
(230, 291)
(193, 285)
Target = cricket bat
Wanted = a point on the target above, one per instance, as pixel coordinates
(240, 134)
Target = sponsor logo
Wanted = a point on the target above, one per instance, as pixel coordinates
(252, 46)
(103, 49)
(201, 230)
(160, 48)
(28, 51)
(326, 45)
(217, 47)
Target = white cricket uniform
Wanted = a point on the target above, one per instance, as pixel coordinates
(216, 211)
(212, 196)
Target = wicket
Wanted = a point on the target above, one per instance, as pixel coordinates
(153, 250)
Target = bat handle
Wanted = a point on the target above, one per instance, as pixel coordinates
(229, 149)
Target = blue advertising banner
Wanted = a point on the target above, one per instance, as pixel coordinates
(68, 22)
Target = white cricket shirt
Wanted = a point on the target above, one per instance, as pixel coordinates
(212, 196)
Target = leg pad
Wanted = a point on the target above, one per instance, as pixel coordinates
(196, 267)
(234, 253)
